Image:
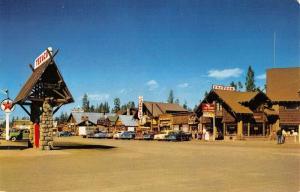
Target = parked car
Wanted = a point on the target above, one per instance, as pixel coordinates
(118, 134)
(127, 135)
(64, 134)
(109, 135)
(148, 136)
(17, 134)
(100, 135)
(178, 136)
(161, 136)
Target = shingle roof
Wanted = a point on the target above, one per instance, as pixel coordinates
(128, 120)
(92, 117)
(48, 72)
(234, 99)
(162, 108)
(283, 84)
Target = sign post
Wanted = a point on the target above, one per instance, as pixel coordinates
(140, 108)
(7, 107)
(208, 110)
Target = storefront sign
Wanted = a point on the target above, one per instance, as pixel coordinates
(225, 88)
(208, 114)
(7, 105)
(140, 111)
(208, 107)
(42, 58)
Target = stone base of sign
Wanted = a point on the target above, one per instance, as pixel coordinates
(46, 127)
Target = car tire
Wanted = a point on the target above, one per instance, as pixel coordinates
(13, 139)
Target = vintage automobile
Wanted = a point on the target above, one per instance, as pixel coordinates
(178, 136)
(118, 134)
(64, 134)
(148, 136)
(17, 134)
(127, 135)
(161, 136)
(100, 135)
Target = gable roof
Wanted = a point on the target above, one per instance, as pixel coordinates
(47, 72)
(128, 120)
(234, 99)
(162, 108)
(283, 84)
(92, 117)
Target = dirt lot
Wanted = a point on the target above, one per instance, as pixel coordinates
(112, 165)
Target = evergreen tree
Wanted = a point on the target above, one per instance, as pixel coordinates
(92, 108)
(106, 107)
(250, 84)
(117, 104)
(171, 97)
(131, 104)
(177, 101)
(240, 85)
(232, 84)
(85, 103)
(185, 105)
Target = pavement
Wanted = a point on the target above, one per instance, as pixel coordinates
(107, 165)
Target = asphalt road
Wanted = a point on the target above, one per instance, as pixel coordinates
(117, 166)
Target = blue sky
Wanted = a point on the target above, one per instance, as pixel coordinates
(125, 49)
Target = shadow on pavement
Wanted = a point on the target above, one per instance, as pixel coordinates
(65, 146)
(13, 147)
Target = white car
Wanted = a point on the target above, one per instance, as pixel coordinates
(161, 136)
(118, 134)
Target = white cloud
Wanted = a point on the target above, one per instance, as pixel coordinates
(225, 73)
(152, 84)
(262, 76)
(183, 85)
(98, 97)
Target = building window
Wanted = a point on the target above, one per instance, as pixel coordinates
(219, 107)
(291, 106)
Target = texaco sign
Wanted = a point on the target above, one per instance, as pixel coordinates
(7, 105)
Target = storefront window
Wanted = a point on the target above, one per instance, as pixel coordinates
(231, 129)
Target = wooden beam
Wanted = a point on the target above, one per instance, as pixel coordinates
(58, 93)
(57, 108)
(31, 67)
(25, 109)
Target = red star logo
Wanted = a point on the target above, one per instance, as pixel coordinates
(7, 105)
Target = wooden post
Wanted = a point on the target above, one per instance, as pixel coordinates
(224, 130)
(248, 127)
(240, 129)
(264, 129)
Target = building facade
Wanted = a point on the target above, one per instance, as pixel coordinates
(283, 88)
(237, 115)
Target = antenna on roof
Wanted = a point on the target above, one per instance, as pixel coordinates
(274, 49)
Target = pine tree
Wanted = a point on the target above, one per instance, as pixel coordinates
(250, 84)
(117, 104)
(85, 103)
(171, 97)
(177, 101)
(185, 105)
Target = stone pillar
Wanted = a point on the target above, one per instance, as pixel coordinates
(46, 127)
(240, 129)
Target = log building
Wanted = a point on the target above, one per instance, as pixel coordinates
(283, 88)
(238, 115)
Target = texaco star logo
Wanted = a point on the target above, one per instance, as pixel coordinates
(7, 105)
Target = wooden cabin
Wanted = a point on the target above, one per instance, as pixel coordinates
(283, 88)
(238, 115)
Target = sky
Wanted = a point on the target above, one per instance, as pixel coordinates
(124, 49)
